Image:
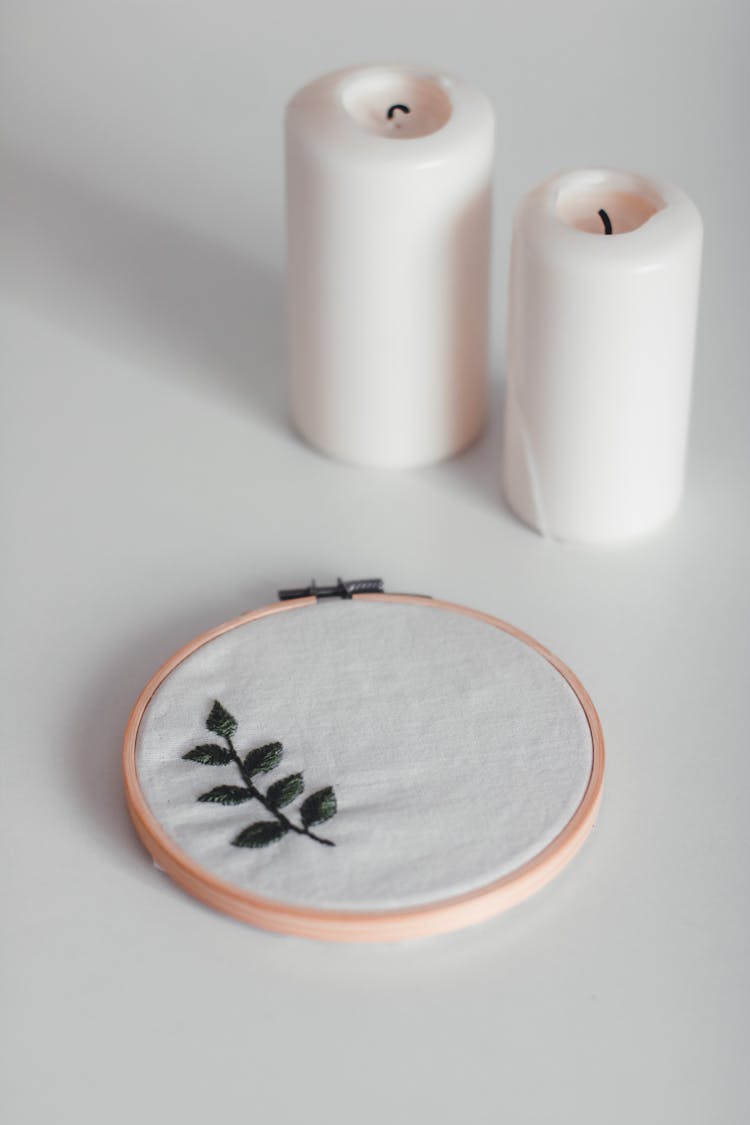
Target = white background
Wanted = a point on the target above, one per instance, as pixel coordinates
(151, 487)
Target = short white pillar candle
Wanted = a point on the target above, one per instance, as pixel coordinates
(388, 173)
(605, 271)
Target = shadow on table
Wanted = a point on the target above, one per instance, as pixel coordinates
(97, 728)
(145, 285)
(189, 307)
(477, 470)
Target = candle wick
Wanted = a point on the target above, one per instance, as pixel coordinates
(393, 108)
(606, 220)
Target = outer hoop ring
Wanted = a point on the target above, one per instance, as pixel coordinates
(360, 926)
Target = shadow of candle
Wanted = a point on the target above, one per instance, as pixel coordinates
(145, 284)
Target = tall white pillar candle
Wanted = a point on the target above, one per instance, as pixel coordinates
(388, 174)
(603, 302)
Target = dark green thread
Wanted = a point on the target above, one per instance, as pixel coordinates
(263, 758)
(209, 755)
(319, 807)
(285, 791)
(259, 834)
(315, 809)
(221, 722)
(226, 795)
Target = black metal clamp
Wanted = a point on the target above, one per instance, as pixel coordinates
(340, 590)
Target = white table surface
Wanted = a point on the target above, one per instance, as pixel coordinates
(151, 487)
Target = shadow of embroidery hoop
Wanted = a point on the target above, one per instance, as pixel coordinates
(363, 926)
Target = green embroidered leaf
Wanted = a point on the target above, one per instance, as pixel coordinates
(226, 795)
(260, 834)
(209, 755)
(220, 721)
(283, 792)
(319, 806)
(263, 758)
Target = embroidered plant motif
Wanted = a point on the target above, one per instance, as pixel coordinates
(315, 809)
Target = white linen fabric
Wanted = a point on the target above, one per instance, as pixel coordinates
(456, 751)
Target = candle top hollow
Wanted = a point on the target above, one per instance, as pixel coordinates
(358, 114)
(605, 209)
(605, 216)
(397, 103)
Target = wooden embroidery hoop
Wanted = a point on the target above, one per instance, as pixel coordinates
(374, 926)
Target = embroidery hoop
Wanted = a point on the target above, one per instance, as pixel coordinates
(362, 926)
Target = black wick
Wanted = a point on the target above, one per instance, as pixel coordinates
(393, 108)
(606, 220)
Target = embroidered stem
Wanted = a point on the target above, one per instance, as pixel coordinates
(283, 820)
(316, 808)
